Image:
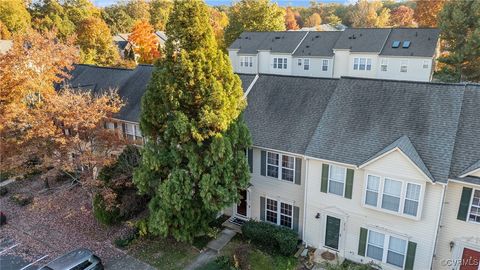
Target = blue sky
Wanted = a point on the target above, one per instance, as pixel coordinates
(103, 3)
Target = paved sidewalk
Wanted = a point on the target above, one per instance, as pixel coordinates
(127, 262)
(213, 248)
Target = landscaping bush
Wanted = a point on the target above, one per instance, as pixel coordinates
(102, 214)
(3, 191)
(22, 199)
(271, 237)
(124, 241)
(4, 176)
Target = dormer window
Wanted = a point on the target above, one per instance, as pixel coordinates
(396, 44)
(406, 44)
(393, 195)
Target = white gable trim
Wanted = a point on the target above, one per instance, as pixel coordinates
(404, 155)
(470, 173)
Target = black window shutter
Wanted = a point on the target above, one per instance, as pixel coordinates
(324, 184)
(362, 243)
(298, 171)
(263, 162)
(105, 124)
(250, 159)
(124, 130)
(262, 208)
(464, 203)
(296, 218)
(410, 260)
(349, 184)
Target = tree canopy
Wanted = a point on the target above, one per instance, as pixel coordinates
(145, 42)
(370, 14)
(253, 15)
(14, 15)
(426, 12)
(193, 163)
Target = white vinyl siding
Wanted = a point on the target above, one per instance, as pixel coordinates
(393, 195)
(279, 213)
(474, 215)
(386, 248)
(281, 166)
(336, 180)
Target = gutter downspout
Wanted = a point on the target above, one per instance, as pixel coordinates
(307, 166)
(442, 203)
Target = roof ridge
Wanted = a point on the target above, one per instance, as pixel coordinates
(296, 76)
(104, 67)
(402, 81)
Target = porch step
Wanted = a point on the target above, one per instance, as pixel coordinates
(232, 226)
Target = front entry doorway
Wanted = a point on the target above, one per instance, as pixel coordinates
(332, 232)
(242, 208)
(470, 259)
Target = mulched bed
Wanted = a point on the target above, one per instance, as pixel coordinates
(57, 221)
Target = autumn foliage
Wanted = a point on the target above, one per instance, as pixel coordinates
(402, 16)
(426, 12)
(61, 130)
(145, 42)
(290, 20)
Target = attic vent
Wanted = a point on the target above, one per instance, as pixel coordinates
(308, 46)
(277, 37)
(396, 44)
(406, 44)
(317, 36)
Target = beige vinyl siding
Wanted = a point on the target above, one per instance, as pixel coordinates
(460, 233)
(354, 215)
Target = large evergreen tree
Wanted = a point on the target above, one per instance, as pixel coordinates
(193, 163)
(253, 15)
(460, 30)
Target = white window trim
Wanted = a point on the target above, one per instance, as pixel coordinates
(279, 211)
(323, 64)
(306, 63)
(386, 243)
(470, 207)
(284, 63)
(344, 180)
(359, 59)
(299, 62)
(280, 166)
(403, 195)
(384, 62)
(401, 66)
(426, 64)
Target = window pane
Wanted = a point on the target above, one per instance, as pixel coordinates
(373, 183)
(286, 221)
(396, 251)
(272, 164)
(355, 63)
(395, 258)
(371, 198)
(274, 62)
(272, 171)
(392, 187)
(284, 63)
(271, 211)
(272, 158)
(138, 133)
(413, 191)
(369, 64)
(271, 205)
(362, 64)
(390, 203)
(337, 173)
(376, 238)
(287, 174)
(335, 187)
(299, 61)
(410, 208)
(475, 208)
(375, 245)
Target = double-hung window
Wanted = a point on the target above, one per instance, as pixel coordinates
(474, 215)
(281, 166)
(299, 61)
(336, 180)
(246, 61)
(132, 132)
(384, 65)
(361, 63)
(279, 63)
(279, 213)
(404, 66)
(426, 64)
(306, 64)
(393, 195)
(386, 248)
(324, 64)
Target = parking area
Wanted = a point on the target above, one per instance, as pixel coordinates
(11, 257)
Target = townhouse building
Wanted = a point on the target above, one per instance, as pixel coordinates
(371, 170)
(397, 53)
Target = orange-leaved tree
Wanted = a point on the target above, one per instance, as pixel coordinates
(38, 123)
(290, 20)
(426, 12)
(145, 42)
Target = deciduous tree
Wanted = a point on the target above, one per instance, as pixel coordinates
(218, 21)
(145, 42)
(14, 15)
(159, 12)
(402, 16)
(460, 29)
(369, 14)
(80, 10)
(96, 43)
(314, 20)
(333, 19)
(253, 15)
(117, 19)
(290, 20)
(426, 12)
(49, 15)
(193, 163)
(4, 33)
(60, 129)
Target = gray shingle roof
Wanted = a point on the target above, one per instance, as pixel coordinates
(423, 42)
(277, 42)
(365, 115)
(283, 111)
(318, 44)
(467, 145)
(130, 83)
(362, 39)
(405, 145)
(246, 79)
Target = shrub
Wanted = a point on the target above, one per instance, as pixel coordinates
(271, 237)
(3, 191)
(4, 176)
(124, 241)
(102, 214)
(22, 199)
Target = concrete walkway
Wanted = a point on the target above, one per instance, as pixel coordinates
(213, 248)
(127, 262)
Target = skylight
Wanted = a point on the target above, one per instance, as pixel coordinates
(406, 44)
(395, 44)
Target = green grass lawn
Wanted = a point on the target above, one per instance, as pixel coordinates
(163, 253)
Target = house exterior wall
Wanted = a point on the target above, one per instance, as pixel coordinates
(362, 73)
(264, 61)
(341, 62)
(234, 59)
(355, 216)
(315, 69)
(415, 69)
(460, 234)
